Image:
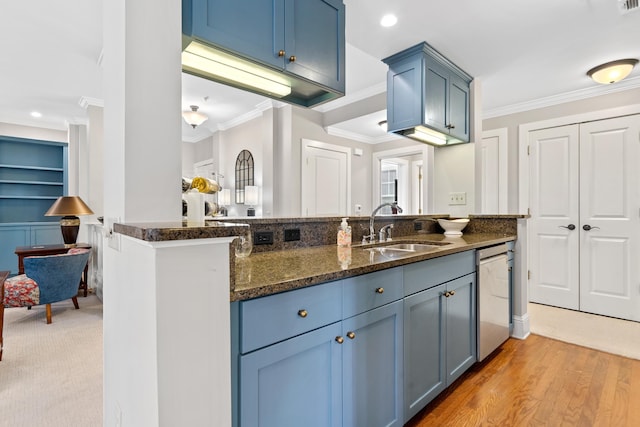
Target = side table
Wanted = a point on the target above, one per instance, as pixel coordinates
(43, 250)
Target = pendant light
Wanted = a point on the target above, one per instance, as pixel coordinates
(193, 117)
(612, 72)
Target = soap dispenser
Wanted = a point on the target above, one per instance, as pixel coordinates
(344, 233)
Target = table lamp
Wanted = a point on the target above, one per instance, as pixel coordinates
(69, 207)
(251, 199)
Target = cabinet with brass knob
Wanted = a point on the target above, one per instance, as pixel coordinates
(303, 41)
(439, 328)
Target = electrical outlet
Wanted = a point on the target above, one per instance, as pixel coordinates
(417, 226)
(263, 238)
(458, 198)
(358, 209)
(291, 235)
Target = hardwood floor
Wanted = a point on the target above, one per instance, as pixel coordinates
(541, 382)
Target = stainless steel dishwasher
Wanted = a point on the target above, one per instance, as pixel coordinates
(493, 298)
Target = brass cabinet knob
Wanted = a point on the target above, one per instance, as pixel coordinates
(351, 335)
(446, 294)
(452, 293)
(302, 313)
(379, 290)
(281, 53)
(339, 340)
(292, 58)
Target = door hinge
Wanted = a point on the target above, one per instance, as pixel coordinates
(528, 211)
(528, 150)
(528, 274)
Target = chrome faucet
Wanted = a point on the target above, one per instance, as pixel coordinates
(372, 231)
(385, 233)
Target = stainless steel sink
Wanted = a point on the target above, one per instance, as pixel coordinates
(403, 250)
(415, 247)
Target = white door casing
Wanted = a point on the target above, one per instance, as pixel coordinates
(553, 255)
(610, 207)
(325, 179)
(493, 171)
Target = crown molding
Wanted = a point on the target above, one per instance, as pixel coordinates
(353, 97)
(253, 114)
(359, 137)
(562, 98)
(86, 101)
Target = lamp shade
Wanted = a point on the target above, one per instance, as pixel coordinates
(193, 117)
(69, 206)
(250, 195)
(612, 72)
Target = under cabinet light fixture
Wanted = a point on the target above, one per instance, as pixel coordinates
(427, 135)
(194, 117)
(613, 71)
(205, 61)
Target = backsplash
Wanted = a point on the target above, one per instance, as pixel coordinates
(316, 231)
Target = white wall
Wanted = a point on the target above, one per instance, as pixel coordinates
(454, 171)
(33, 132)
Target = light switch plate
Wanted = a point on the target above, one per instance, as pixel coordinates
(113, 239)
(459, 198)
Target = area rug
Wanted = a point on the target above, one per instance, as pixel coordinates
(51, 375)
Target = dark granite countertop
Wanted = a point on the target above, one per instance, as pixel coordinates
(268, 273)
(179, 230)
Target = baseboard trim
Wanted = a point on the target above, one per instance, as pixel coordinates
(521, 327)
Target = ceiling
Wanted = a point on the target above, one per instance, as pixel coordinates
(525, 54)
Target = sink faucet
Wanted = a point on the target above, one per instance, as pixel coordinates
(385, 233)
(372, 231)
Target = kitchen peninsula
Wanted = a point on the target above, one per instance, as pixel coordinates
(264, 278)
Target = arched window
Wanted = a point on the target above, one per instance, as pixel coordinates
(244, 174)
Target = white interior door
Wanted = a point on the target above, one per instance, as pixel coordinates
(325, 186)
(554, 233)
(610, 217)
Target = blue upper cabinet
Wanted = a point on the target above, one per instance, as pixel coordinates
(298, 46)
(427, 97)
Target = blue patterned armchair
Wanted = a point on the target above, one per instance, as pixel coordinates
(47, 279)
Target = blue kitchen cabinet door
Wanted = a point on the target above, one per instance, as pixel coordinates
(293, 383)
(458, 108)
(424, 348)
(404, 88)
(314, 39)
(436, 95)
(460, 326)
(372, 367)
(253, 28)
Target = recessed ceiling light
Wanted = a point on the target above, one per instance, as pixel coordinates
(36, 114)
(389, 20)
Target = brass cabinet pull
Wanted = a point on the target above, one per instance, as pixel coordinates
(379, 290)
(292, 58)
(302, 313)
(281, 53)
(339, 339)
(351, 335)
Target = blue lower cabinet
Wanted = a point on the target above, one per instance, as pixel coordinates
(460, 326)
(424, 349)
(295, 382)
(440, 340)
(372, 367)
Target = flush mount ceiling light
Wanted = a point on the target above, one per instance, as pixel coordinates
(388, 20)
(193, 117)
(612, 72)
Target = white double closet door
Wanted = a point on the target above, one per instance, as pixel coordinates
(585, 217)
